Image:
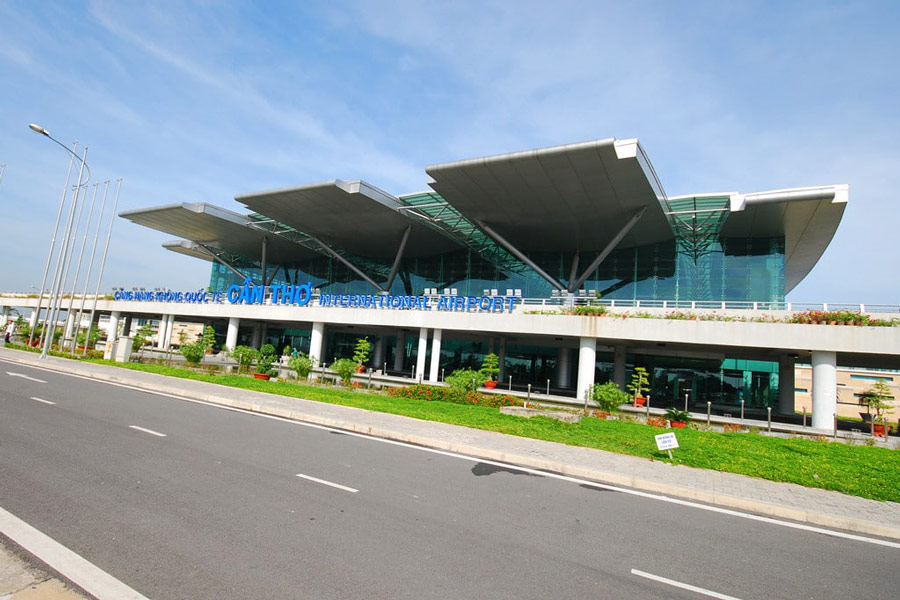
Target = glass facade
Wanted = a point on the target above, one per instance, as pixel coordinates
(732, 269)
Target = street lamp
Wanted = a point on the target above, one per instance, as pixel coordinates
(59, 272)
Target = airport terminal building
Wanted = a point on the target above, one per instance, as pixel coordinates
(436, 279)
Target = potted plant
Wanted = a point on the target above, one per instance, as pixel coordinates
(302, 364)
(244, 355)
(208, 341)
(877, 399)
(678, 419)
(345, 368)
(639, 384)
(490, 367)
(361, 353)
(264, 362)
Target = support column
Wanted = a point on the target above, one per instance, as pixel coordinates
(501, 355)
(400, 351)
(619, 367)
(786, 385)
(257, 331)
(263, 334)
(34, 318)
(161, 332)
(4, 316)
(420, 355)
(587, 364)
(563, 361)
(112, 334)
(316, 342)
(434, 371)
(231, 336)
(126, 328)
(170, 326)
(824, 389)
(378, 353)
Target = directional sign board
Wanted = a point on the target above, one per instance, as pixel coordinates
(666, 441)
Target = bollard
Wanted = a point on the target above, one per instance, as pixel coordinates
(835, 426)
(804, 416)
(647, 406)
(442, 374)
(412, 373)
(769, 410)
(742, 410)
(510, 383)
(384, 369)
(708, 410)
(685, 401)
(548, 387)
(369, 386)
(529, 393)
(473, 384)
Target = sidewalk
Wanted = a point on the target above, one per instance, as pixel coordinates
(779, 500)
(20, 580)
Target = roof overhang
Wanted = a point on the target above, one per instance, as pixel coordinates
(575, 197)
(223, 229)
(807, 218)
(349, 215)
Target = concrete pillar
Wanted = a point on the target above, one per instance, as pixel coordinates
(231, 336)
(619, 355)
(263, 334)
(113, 332)
(257, 335)
(161, 332)
(400, 351)
(317, 341)
(587, 364)
(563, 362)
(126, 328)
(786, 385)
(420, 355)
(4, 316)
(824, 389)
(170, 326)
(434, 371)
(501, 355)
(378, 353)
(32, 321)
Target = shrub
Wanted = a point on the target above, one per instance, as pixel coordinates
(345, 368)
(608, 396)
(588, 311)
(244, 355)
(302, 364)
(430, 393)
(193, 353)
(639, 382)
(208, 343)
(266, 359)
(461, 379)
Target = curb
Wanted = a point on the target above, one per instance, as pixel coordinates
(646, 485)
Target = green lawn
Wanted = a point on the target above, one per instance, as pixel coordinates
(870, 472)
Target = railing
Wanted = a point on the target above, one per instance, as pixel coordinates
(573, 300)
(712, 305)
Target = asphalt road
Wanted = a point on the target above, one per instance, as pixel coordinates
(184, 500)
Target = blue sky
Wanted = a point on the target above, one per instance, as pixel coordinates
(203, 101)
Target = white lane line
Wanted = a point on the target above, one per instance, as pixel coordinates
(150, 431)
(323, 482)
(23, 376)
(96, 582)
(42, 400)
(684, 586)
(649, 495)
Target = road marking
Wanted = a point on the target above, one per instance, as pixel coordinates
(150, 431)
(23, 376)
(96, 582)
(684, 586)
(604, 486)
(42, 400)
(323, 482)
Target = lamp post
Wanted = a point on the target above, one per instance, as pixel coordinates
(57, 284)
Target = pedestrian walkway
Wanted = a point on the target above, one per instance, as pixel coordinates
(20, 580)
(781, 500)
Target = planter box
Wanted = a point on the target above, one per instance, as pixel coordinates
(261, 376)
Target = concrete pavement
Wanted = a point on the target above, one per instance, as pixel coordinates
(20, 580)
(778, 500)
